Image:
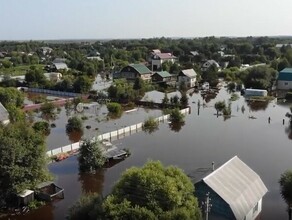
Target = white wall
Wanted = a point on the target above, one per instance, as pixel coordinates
(253, 215)
(282, 85)
(189, 81)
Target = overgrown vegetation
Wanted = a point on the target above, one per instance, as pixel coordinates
(150, 125)
(114, 108)
(74, 125)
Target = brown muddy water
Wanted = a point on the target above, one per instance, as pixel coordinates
(266, 148)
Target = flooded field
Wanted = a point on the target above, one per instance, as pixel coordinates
(265, 147)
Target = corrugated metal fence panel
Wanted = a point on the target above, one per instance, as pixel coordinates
(49, 153)
(114, 133)
(121, 131)
(133, 127)
(57, 151)
(139, 125)
(67, 148)
(127, 129)
(106, 136)
(75, 146)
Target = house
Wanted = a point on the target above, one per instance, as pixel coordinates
(59, 66)
(188, 77)
(208, 64)
(255, 92)
(156, 97)
(133, 71)
(46, 50)
(163, 77)
(53, 76)
(235, 190)
(159, 58)
(59, 60)
(4, 115)
(284, 80)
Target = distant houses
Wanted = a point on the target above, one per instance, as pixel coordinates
(133, 71)
(284, 81)
(59, 66)
(235, 190)
(164, 77)
(208, 64)
(158, 59)
(4, 115)
(188, 77)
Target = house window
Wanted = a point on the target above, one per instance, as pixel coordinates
(256, 208)
(286, 83)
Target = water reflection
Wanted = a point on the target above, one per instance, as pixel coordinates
(209, 97)
(92, 182)
(288, 131)
(75, 136)
(257, 105)
(176, 127)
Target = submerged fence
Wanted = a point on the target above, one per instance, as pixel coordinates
(111, 136)
(53, 92)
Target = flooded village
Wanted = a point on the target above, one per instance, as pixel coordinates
(234, 142)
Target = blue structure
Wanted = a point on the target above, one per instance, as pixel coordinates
(284, 81)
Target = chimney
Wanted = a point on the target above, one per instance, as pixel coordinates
(213, 166)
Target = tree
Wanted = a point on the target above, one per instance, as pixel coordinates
(6, 63)
(261, 77)
(87, 207)
(150, 125)
(74, 125)
(114, 108)
(82, 84)
(152, 192)
(11, 96)
(35, 77)
(220, 106)
(176, 116)
(165, 100)
(90, 156)
(286, 189)
(184, 100)
(47, 109)
(23, 162)
(43, 127)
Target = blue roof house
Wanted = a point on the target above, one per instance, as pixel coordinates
(284, 81)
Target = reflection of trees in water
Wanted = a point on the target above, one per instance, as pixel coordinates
(288, 131)
(92, 182)
(75, 136)
(257, 105)
(209, 97)
(176, 127)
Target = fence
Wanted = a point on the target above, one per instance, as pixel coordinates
(53, 92)
(111, 136)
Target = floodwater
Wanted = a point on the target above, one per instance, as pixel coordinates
(265, 147)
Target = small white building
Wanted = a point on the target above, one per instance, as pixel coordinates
(159, 58)
(235, 190)
(188, 77)
(284, 81)
(256, 92)
(59, 66)
(53, 76)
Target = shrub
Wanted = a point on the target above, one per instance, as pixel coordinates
(150, 125)
(42, 126)
(114, 108)
(176, 116)
(74, 124)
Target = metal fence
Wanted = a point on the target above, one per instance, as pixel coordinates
(53, 92)
(111, 136)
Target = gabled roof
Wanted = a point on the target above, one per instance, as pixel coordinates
(238, 185)
(209, 63)
(4, 115)
(164, 74)
(60, 66)
(165, 56)
(285, 74)
(194, 53)
(189, 73)
(157, 97)
(141, 68)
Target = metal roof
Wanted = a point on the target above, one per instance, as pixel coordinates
(285, 74)
(59, 66)
(190, 73)
(165, 56)
(164, 74)
(238, 185)
(4, 115)
(157, 97)
(141, 68)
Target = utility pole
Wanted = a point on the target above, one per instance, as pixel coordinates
(207, 205)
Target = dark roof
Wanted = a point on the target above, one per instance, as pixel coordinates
(3, 113)
(140, 68)
(285, 74)
(164, 74)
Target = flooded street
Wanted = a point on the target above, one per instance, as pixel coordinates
(265, 147)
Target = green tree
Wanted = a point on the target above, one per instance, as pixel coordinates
(11, 96)
(165, 100)
(220, 106)
(35, 77)
(15, 113)
(74, 125)
(114, 108)
(6, 63)
(150, 125)
(82, 84)
(184, 100)
(90, 156)
(286, 189)
(48, 110)
(43, 127)
(152, 192)
(23, 162)
(88, 206)
(176, 116)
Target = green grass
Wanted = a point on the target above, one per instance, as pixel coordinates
(18, 70)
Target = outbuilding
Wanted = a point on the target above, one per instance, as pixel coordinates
(234, 191)
(284, 81)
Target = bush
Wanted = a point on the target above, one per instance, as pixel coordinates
(42, 126)
(150, 125)
(176, 116)
(74, 124)
(114, 108)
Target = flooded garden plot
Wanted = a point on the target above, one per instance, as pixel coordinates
(265, 147)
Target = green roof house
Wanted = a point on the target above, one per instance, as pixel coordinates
(163, 77)
(284, 81)
(133, 71)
